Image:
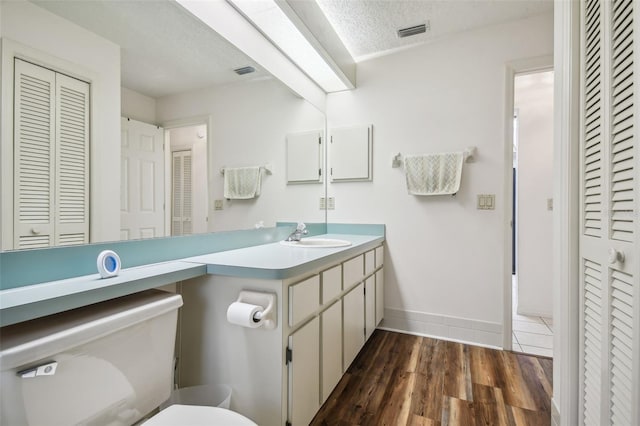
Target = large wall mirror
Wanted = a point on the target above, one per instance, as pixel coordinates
(155, 94)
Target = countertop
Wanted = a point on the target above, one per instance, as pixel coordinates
(266, 261)
(278, 261)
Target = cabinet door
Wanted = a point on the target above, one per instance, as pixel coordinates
(379, 296)
(304, 373)
(304, 299)
(353, 326)
(331, 283)
(370, 306)
(331, 348)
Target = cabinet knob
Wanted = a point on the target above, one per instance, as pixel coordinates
(35, 231)
(615, 256)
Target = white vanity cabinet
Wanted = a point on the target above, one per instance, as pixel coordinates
(281, 376)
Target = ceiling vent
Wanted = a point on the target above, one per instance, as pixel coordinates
(411, 31)
(244, 70)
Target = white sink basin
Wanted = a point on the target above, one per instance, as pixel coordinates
(317, 243)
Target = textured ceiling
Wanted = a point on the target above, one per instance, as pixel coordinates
(164, 49)
(368, 27)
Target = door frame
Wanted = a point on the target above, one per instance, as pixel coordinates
(521, 66)
(207, 121)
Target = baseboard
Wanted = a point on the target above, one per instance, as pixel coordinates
(463, 330)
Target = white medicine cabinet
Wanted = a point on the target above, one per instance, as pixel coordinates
(351, 153)
(304, 157)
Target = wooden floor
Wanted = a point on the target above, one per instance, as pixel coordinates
(400, 379)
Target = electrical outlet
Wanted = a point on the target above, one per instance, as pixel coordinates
(218, 204)
(549, 204)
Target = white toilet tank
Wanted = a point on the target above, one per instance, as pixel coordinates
(105, 364)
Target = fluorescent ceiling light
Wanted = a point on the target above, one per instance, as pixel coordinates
(267, 16)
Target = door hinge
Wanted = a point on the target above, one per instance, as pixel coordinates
(287, 423)
(331, 171)
(319, 172)
(289, 356)
(319, 140)
(365, 290)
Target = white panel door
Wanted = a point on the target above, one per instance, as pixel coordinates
(609, 366)
(142, 181)
(353, 324)
(304, 373)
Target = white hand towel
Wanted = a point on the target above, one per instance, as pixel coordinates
(434, 174)
(242, 183)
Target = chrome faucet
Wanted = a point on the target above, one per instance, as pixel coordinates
(297, 234)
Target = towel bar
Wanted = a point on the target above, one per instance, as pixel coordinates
(268, 169)
(469, 157)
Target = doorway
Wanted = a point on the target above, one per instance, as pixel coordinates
(187, 148)
(532, 231)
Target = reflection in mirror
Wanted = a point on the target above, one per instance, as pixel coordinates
(164, 107)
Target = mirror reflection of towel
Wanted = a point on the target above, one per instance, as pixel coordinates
(242, 183)
(434, 174)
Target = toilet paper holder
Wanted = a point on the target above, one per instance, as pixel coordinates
(268, 316)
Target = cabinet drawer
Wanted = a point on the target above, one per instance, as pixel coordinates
(304, 299)
(331, 283)
(369, 262)
(379, 256)
(352, 271)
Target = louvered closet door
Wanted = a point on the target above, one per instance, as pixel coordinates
(72, 165)
(182, 201)
(34, 155)
(609, 317)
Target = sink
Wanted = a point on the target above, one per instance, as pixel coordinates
(317, 243)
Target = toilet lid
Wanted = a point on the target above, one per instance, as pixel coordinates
(197, 415)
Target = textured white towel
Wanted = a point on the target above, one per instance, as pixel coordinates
(434, 174)
(242, 183)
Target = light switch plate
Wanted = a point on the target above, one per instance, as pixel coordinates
(486, 201)
(218, 204)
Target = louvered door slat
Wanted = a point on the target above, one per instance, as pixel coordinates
(176, 219)
(592, 330)
(187, 200)
(622, 117)
(592, 118)
(34, 129)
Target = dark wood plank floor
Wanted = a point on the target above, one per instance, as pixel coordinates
(400, 379)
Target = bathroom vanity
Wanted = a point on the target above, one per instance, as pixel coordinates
(329, 301)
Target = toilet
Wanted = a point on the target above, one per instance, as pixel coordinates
(109, 363)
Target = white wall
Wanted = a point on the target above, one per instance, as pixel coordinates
(445, 259)
(137, 106)
(534, 102)
(249, 123)
(49, 40)
(194, 138)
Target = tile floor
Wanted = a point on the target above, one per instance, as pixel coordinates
(531, 335)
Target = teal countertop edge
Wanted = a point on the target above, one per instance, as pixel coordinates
(27, 267)
(27, 302)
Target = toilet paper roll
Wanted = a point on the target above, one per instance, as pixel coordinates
(244, 314)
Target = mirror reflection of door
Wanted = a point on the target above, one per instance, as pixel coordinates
(181, 194)
(188, 180)
(142, 181)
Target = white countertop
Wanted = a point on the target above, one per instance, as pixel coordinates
(278, 261)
